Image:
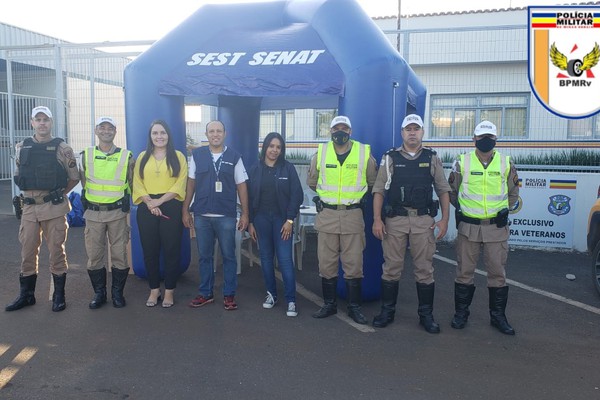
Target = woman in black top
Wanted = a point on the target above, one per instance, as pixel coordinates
(275, 197)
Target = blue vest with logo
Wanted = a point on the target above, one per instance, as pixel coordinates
(207, 200)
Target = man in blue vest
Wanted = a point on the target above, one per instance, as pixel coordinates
(407, 176)
(342, 172)
(216, 177)
(106, 172)
(485, 186)
(46, 171)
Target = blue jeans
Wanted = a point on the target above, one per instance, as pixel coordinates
(268, 228)
(223, 229)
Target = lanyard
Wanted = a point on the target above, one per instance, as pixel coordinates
(217, 165)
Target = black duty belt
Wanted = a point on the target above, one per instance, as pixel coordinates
(30, 201)
(477, 221)
(403, 212)
(341, 206)
(105, 207)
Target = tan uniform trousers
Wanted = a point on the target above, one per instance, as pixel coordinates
(54, 232)
(413, 231)
(99, 225)
(341, 236)
(471, 238)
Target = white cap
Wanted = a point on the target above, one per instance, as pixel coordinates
(106, 119)
(485, 128)
(412, 119)
(41, 109)
(340, 119)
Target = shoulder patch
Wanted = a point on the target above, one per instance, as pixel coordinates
(68, 152)
(433, 152)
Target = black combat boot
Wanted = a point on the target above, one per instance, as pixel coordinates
(58, 298)
(425, 294)
(353, 287)
(329, 297)
(98, 278)
(389, 296)
(119, 277)
(463, 296)
(26, 295)
(498, 299)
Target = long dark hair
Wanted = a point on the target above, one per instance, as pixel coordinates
(267, 142)
(172, 159)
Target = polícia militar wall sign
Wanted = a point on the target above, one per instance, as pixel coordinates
(563, 59)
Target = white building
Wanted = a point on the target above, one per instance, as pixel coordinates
(475, 67)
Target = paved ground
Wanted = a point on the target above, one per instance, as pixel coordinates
(252, 353)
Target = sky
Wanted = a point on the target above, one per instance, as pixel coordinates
(125, 20)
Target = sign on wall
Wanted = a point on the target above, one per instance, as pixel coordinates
(544, 215)
(563, 59)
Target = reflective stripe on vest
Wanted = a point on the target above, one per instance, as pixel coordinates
(343, 184)
(105, 176)
(483, 191)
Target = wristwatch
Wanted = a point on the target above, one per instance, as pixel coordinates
(291, 221)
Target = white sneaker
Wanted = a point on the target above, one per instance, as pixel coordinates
(269, 301)
(291, 311)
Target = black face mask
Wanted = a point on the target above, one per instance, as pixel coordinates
(485, 144)
(340, 137)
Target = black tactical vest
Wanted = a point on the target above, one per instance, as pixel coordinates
(39, 168)
(412, 182)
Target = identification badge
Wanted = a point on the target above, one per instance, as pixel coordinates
(218, 186)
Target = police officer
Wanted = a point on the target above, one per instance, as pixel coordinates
(341, 173)
(106, 172)
(484, 187)
(46, 170)
(407, 175)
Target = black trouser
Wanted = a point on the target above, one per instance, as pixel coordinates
(160, 234)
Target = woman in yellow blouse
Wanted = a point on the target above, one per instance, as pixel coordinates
(159, 182)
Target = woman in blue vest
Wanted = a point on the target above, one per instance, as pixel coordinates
(275, 196)
(159, 182)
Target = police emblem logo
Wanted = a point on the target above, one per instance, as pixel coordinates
(559, 204)
(517, 207)
(564, 55)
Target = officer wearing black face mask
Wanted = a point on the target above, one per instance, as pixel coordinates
(341, 173)
(484, 187)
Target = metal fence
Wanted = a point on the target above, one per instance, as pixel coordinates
(78, 82)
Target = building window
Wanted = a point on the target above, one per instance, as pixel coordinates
(270, 121)
(585, 128)
(455, 117)
(277, 121)
(298, 125)
(323, 119)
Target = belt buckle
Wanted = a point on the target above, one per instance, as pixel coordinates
(412, 213)
(485, 221)
(341, 207)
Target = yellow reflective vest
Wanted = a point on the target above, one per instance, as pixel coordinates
(483, 191)
(105, 176)
(342, 184)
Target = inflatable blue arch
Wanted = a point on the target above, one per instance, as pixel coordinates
(243, 58)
